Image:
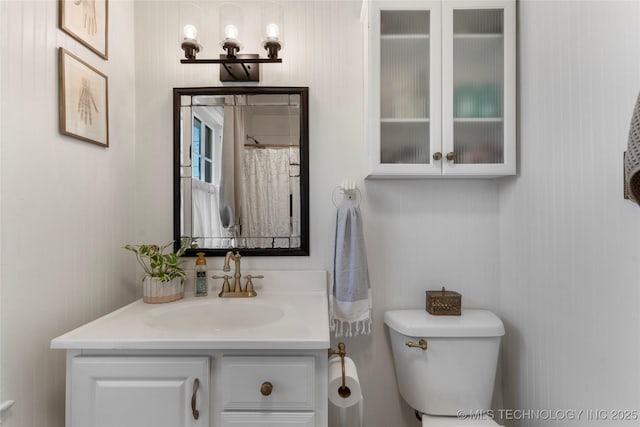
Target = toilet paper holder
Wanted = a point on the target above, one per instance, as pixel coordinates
(343, 390)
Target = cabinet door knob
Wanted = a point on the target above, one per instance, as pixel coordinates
(194, 411)
(266, 388)
(437, 155)
(451, 155)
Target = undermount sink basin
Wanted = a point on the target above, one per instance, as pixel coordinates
(214, 315)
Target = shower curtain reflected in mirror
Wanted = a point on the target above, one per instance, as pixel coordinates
(266, 185)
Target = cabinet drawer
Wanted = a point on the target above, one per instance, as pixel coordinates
(268, 419)
(291, 378)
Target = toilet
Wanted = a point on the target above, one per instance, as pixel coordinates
(445, 365)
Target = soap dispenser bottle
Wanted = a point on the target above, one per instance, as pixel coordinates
(201, 275)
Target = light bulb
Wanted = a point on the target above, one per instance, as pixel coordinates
(273, 31)
(190, 32)
(231, 31)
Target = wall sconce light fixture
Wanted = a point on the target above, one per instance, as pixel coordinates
(234, 66)
(190, 43)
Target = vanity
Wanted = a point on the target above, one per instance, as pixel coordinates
(205, 361)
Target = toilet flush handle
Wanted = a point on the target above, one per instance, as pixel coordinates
(422, 344)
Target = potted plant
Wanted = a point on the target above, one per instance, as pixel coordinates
(164, 277)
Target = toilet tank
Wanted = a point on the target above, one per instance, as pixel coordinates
(457, 370)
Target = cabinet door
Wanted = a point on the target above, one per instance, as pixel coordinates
(403, 94)
(138, 392)
(478, 91)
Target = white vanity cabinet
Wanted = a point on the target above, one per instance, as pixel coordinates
(196, 389)
(441, 88)
(242, 362)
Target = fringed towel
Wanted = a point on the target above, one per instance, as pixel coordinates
(350, 299)
(632, 158)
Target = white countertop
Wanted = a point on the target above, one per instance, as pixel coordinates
(292, 303)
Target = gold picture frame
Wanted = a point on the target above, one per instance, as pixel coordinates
(87, 21)
(84, 100)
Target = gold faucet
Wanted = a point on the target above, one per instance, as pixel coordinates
(237, 291)
(237, 275)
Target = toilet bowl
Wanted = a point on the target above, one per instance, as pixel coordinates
(445, 365)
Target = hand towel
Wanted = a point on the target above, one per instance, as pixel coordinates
(350, 296)
(632, 158)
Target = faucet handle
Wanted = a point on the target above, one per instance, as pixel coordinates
(248, 287)
(226, 287)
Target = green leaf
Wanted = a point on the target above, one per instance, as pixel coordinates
(164, 267)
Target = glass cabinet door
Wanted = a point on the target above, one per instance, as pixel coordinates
(406, 115)
(478, 87)
(404, 86)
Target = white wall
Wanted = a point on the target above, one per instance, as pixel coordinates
(67, 206)
(420, 234)
(558, 238)
(568, 241)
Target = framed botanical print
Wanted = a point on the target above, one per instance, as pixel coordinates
(84, 104)
(87, 21)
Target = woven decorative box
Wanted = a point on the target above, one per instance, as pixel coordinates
(444, 303)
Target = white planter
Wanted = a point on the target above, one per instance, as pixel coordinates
(155, 292)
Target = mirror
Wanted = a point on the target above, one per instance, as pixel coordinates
(241, 169)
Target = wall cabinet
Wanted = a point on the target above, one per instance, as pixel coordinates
(441, 88)
(204, 388)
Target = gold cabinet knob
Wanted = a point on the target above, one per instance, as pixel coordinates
(422, 344)
(451, 155)
(437, 155)
(266, 388)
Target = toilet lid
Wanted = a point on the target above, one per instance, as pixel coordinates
(433, 421)
(471, 323)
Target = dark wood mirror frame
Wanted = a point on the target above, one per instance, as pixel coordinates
(303, 92)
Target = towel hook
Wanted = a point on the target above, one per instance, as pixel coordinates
(349, 190)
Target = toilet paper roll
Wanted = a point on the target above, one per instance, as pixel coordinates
(351, 381)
